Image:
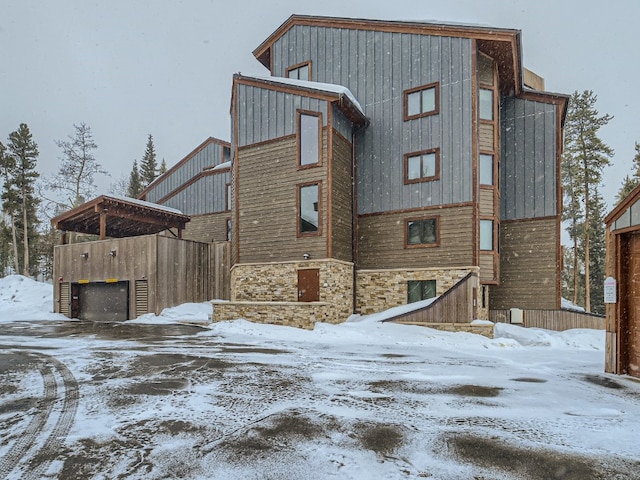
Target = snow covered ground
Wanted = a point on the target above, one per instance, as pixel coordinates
(360, 400)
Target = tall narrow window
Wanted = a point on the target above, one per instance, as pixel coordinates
(486, 235)
(421, 101)
(486, 169)
(423, 232)
(228, 229)
(422, 166)
(486, 104)
(309, 128)
(309, 209)
(301, 71)
(418, 290)
(228, 199)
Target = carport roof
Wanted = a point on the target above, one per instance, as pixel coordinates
(120, 217)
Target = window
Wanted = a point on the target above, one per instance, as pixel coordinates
(423, 232)
(486, 169)
(309, 141)
(486, 235)
(422, 166)
(228, 199)
(308, 209)
(226, 154)
(301, 71)
(228, 229)
(421, 101)
(418, 290)
(486, 104)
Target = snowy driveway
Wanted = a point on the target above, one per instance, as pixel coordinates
(358, 400)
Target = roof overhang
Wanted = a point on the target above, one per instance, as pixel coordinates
(504, 45)
(119, 217)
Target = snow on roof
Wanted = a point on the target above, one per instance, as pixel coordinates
(222, 166)
(322, 87)
(144, 203)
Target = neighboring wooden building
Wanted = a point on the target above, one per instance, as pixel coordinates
(384, 161)
(623, 265)
(199, 186)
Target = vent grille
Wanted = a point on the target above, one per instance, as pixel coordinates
(65, 299)
(142, 297)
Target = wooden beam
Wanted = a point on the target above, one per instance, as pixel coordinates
(103, 225)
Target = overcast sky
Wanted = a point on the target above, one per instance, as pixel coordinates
(128, 68)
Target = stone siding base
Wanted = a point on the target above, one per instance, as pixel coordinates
(479, 329)
(291, 314)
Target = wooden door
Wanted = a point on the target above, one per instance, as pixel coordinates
(630, 326)
(309, 285)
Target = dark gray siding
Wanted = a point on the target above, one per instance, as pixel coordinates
(267, 114)
(210, 154)
(206, 195)
(377, 67)
(528, 162)
(341, 123)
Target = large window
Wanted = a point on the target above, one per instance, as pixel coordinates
(309, 140)
(422, 232)
(486, 169)
(418, 290)
(486, 235)
(301, 71)
(486, 104)
(421, 101)
(422, 166)
(309, 209)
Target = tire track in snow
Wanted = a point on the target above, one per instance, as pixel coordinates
(33, 431)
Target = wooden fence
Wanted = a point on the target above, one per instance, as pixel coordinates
(552, 319)
(220, 270)
(453, 306)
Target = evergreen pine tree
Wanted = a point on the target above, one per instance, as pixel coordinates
(630, 182)
(584, 158)
(163, 168)
(135, 184)
(598, 252)
(148, 165)
(18, 194)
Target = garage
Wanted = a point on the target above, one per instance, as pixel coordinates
(101, 301)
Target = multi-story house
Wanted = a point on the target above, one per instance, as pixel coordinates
(383, 161)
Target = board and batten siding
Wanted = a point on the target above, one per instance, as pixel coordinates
(265, 114)
(528, 163)
(381, 240)
(211, 154)
(207, 194)
(341, 201)
(528, 266)
(377, 67)
(267, 193)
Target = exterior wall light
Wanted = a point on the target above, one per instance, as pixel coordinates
(84, 255)
(112, 253)
(306, 256)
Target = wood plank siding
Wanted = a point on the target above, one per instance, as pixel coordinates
(207, 228)
(341, 202)
(268, 177)
(485, 136)
(529, 272)
(557, 320)
(381, 240)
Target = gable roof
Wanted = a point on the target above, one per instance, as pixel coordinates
(623, 206)
(125, 217)
(502, 44)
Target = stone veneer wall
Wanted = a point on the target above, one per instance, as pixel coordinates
(378, 290)
(268, 293)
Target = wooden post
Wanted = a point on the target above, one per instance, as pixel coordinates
(103, 225)
(63, 238)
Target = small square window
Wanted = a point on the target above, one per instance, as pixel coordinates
(418, 290)
(300, 72)
(422, 166)
(421, 101)
(422, 232)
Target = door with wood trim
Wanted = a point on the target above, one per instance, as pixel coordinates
(630, 326)
(309, 285)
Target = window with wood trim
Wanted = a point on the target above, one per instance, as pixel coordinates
(485, 100)
(422, 166)
(486, 169)
(422, 101)
(309, 138)
(229, 229)
(228, 197)
(418, 290)
(422, 232)
(309, 213)
(486, 235)
(301, 71)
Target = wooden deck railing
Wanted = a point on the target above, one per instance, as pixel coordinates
(558, 320)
